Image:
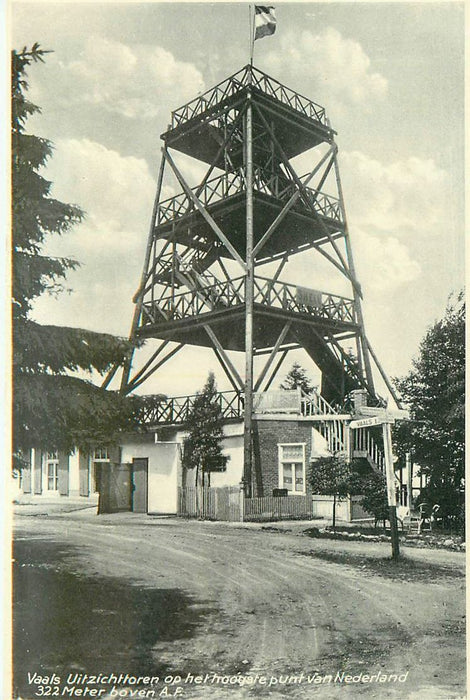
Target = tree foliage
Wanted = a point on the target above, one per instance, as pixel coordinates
(330, 476)
(50, 408)
(435, 391)
(35, 213)
(62, 412)
(202, 448)
(372, 487)
(297, 377)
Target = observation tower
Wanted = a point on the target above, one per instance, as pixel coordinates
(202, 282)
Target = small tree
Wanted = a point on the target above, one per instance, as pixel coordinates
(202, 450)
(330, 476)
(373, 487)
(297, 377)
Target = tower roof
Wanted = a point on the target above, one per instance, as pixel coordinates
(197, 128)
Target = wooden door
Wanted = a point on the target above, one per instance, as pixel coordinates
(115, 488)
(140, 485)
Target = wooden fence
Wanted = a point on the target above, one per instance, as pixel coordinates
(278, 508)
(228, 503)
(211, 503)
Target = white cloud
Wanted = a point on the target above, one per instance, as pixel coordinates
(385, 263)
(117, 194)
(404, 197)
(130, 81)
(336, 68)
(395, 212)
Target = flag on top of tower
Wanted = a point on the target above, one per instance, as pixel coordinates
(265, 21)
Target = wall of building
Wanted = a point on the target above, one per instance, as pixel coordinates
(323, 508)
(268, 435)
(232, 447)
(35, 482)
(163, 473)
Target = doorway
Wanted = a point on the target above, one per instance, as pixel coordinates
(140, 485)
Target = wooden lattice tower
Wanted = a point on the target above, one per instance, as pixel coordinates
(251, 208)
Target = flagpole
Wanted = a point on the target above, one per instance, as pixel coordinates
(252, 34)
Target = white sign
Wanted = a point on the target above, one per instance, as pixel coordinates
(386, 413)
(368, 422)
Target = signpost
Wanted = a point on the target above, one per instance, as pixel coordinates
(380, 416)
(365, 422)
(391, 494)
(395, 413)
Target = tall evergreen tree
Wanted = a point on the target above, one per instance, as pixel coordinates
(202, 450)
(51, 408)
(297, 377)
(435, 391)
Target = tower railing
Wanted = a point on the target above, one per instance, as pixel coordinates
(175, 410)
(248, 76)
(231, 293)
(232, 183)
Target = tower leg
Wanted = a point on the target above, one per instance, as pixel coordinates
(139, 296)
(363, 357)
(249, 294)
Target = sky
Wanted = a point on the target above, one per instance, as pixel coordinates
(391, 77)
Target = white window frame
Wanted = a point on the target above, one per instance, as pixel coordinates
(52, 461)
(100, 454)
(282, 461)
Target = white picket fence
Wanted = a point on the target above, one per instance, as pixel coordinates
(230, 504)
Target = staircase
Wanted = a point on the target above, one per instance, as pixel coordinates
(190, 270)
(359, 444)
(365, 447)
(337, 380)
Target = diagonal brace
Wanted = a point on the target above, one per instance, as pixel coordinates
(204, 213)
(288, 206)
(276, 369)
(273, 354)
(133, 385)
(224, 356)
(300, 185)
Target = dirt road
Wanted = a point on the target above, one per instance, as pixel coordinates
(263, 613)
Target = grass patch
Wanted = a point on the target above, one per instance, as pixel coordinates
(402, 570)
(345, 533)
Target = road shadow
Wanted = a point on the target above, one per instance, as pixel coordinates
(65, 622)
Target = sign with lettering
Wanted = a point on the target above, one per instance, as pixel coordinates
(368, 422)
(396, 413)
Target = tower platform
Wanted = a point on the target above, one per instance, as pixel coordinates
(299, 123)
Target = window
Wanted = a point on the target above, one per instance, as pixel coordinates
(101, 454)
(52, 471)
(292, 468)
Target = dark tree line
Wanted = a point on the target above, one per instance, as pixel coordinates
(434, 390)
(53, 407)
